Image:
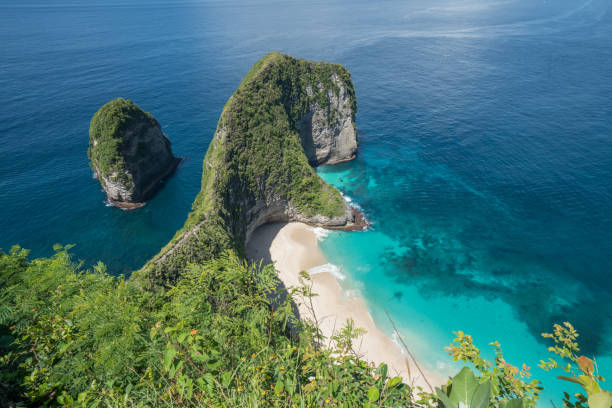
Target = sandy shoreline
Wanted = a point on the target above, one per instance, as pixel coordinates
(294, 248)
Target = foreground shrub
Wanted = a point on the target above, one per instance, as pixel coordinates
(224, 335)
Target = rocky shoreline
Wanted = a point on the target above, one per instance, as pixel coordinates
(150, 191)
(360, 222)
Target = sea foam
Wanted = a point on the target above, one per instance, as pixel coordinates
(350, 201)
(321, 233)
(329, 268)
(395, 339)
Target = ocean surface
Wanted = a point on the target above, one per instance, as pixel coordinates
(485, 154)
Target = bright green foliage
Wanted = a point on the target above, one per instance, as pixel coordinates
(220, 337)
(466, 391)
(583, 370)
(224, 335)
(507, 383)
(256, 155)
(105, 138)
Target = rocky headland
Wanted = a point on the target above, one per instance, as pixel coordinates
(129, 153)
(286, 116)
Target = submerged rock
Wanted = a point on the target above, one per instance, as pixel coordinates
(129, 153)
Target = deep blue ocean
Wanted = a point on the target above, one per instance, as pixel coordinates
(485, 148)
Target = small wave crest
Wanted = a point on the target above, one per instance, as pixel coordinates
(349, 200)
(395, 339)
(329, 268)
(352, 294)
(321, 233)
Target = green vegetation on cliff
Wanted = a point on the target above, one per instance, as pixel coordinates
(105, 138)
(256, 156)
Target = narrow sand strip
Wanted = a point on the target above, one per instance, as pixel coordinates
(293, 248)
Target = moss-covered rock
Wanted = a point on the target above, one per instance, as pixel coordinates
(129, 153)
(258, 165)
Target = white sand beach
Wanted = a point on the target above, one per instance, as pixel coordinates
(293, 248)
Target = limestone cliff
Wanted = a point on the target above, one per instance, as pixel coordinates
(129, 153)
(328, 132)
(286, 115)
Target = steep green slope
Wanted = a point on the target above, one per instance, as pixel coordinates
(256, 169)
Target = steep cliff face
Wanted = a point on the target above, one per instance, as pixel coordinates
(328, 132)
(129, 153)
(286, 115)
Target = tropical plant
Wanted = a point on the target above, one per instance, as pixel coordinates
(583, 370)
(507, 382)
(224, 335)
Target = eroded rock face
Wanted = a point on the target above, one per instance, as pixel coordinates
(328, 132)
(283, 211)
(129, 153)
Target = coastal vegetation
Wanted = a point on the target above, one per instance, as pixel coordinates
(199, 325)
(224, 335)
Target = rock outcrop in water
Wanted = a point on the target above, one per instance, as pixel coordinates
(287, 115)
(129, 153)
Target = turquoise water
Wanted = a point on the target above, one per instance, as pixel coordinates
(485, 147)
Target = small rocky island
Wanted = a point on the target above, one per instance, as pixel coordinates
(129, 153)
(286, 116)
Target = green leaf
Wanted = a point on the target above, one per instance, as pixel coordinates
(189, 383)
(199, 357)
(373, 394)
(82, 397)
(481, 396)
(280, 386)
(175, 369)
(382, 370)
(588, 383)
(602, 399)
(213, 365)
(290, 384)
(169, 355)
(464, 385)
(226, 378)
(394, 381)
(445, 400)
(513, 403)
